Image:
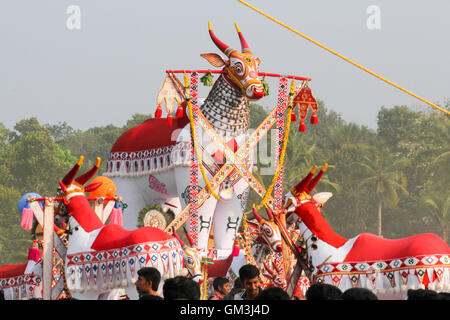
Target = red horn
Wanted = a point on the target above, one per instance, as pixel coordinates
(222, 46)
(191, 241)
(88, 175)
(301, 186)
(244, 45)
(316, 179)
(257, 216)
(68, 179)
(177, 237)
(269, 213)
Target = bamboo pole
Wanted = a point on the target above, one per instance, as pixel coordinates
(344, 58)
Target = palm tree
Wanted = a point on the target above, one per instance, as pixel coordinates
(439, 204)
(384, 178)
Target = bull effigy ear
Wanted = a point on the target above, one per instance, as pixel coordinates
(93, 186)
(81, 180)
(214, 59)
(68, 178)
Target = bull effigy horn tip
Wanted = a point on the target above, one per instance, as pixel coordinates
(80, 161)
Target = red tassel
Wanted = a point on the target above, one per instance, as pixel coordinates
(179, 112)
(293, 116)
(116, 215)
(169, 119)
(314, 119)
(235, 252)
(27, 219)
(34, 254)
(302, 127)
(158, 112)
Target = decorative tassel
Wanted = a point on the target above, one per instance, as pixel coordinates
(34, 254)
(314, 119)
(169, 119)
(293, 116)
(27, 217)
(158, 112)
(235, 252)
(116, 215)
(179, 111)
(302, 127)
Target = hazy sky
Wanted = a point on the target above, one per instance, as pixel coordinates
(114, 65)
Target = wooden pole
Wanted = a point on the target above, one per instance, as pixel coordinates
(344, 58)
(47, 267)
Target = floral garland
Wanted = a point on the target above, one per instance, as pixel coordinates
(283, 150)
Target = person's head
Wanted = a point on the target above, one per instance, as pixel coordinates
(443, 296)
(323, 291)
(221, 285)
(422, 294)
(181, 288)
(249, 275)
(273, 293)
(148, 280)
(358, 294)
(238, 284)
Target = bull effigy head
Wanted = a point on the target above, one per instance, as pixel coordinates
(72, 186)
(242, 67)
(269, 230)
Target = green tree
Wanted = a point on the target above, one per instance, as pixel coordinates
(439, 203)
(14, 241)
(36, 162)
(384, 179)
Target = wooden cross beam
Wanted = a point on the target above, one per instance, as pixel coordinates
(234, 161)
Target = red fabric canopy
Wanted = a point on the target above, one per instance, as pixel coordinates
(12, 270)
(152, 133)
(114, 236)
(370, 247)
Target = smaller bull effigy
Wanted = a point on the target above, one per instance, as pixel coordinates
(387, 266)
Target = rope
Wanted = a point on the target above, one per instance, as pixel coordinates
(346, 59)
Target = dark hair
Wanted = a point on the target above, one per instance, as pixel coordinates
(422, 294)
(273, 293)
(149, 297)
(181, 288)
(443, 296)
(219, 281)
(238, 284)
(359, 294)
(151, 274)
(323, 291)
(2, 295)
(248, 271)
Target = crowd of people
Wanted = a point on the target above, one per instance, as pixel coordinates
(248, 287)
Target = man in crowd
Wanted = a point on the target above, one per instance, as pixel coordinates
(147, 283)
(249, 275)
(221, 288)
